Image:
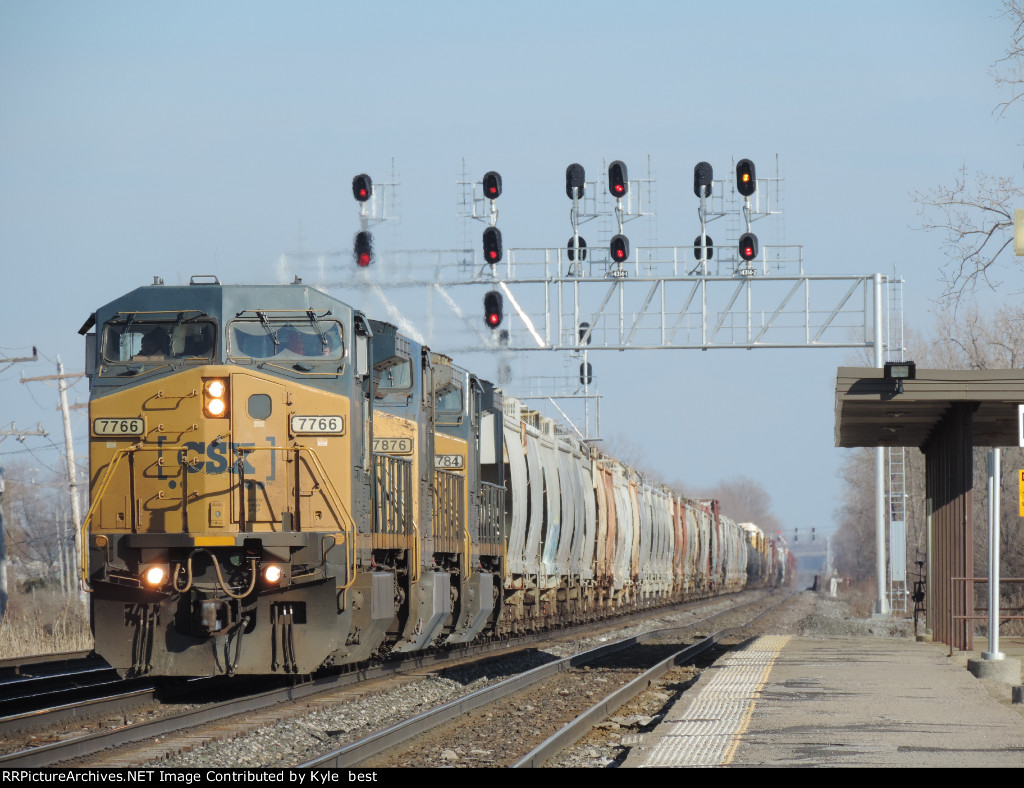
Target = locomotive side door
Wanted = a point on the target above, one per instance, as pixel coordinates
(259, 421)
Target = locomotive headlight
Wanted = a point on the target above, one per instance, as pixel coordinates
(154, 575)
(215, 398)
(272, 574)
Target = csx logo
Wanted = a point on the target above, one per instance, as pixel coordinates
(217, 457)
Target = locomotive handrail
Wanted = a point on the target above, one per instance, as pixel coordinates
(101, 491)
(348, 528)
(336, 500)
(350, 535)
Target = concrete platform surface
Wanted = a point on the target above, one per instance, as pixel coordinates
(862, 702)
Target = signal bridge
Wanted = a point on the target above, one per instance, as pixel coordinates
(653, 301)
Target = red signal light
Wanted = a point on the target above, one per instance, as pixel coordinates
(619, 248)
(492, 185)
(618, 180)
(361, 187)
(748, 246)
(493, 309)
(492, 245)
(362, 249)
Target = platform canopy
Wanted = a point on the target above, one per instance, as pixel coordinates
(870, 411)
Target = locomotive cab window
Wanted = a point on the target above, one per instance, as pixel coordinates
(287, 339)
(125, 340)
(449, 399)
(397, 376)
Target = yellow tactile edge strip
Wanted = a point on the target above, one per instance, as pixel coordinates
(709, 731)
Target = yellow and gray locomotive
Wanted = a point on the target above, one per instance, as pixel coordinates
(262, 479)
(280, 483)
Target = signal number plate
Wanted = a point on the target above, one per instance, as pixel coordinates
(134, 426)
(456, 461)
(392, 445)
(318, 425)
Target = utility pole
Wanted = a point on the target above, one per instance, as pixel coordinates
(69, 447)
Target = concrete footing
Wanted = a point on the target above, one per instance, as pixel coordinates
(1006, 670)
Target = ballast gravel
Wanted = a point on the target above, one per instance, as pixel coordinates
(319, 726)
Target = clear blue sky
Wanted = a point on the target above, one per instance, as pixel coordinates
(175, 138)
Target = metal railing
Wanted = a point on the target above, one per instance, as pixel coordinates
(393, 495)
(964, 616)
(449, 514)
(492, 508)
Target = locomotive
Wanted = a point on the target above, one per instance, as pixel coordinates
(279, 483)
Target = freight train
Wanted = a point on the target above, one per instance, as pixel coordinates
(279, 483)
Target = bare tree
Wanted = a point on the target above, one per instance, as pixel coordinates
(976, 213)
(744, 500)
(1008, 71)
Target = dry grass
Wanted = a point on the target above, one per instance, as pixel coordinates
(43, 622)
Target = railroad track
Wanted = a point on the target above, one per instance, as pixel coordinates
(82, 750)
(565, 687)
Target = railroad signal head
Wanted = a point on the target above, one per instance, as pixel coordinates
(702, 176)
(584, 328)
(748, 246)
(492, 185)
(493, 309)
(362, 187)
(586, 373)
(707, 243)
(618, 180)
(746, 180)
(362, 248)
(492, 245)
(583, 248)
(575, 178)
(619, 248)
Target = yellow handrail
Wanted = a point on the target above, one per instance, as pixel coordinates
(333, 494)
(101, 490)
(325, 480)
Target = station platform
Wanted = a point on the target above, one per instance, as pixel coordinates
(843, 701)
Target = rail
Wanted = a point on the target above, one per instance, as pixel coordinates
(954, 616)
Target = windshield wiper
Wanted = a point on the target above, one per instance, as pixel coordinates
(316, 324)
(266, 324)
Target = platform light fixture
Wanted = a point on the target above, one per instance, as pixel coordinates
(899, 371)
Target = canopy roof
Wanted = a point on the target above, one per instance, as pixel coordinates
(869, 411)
